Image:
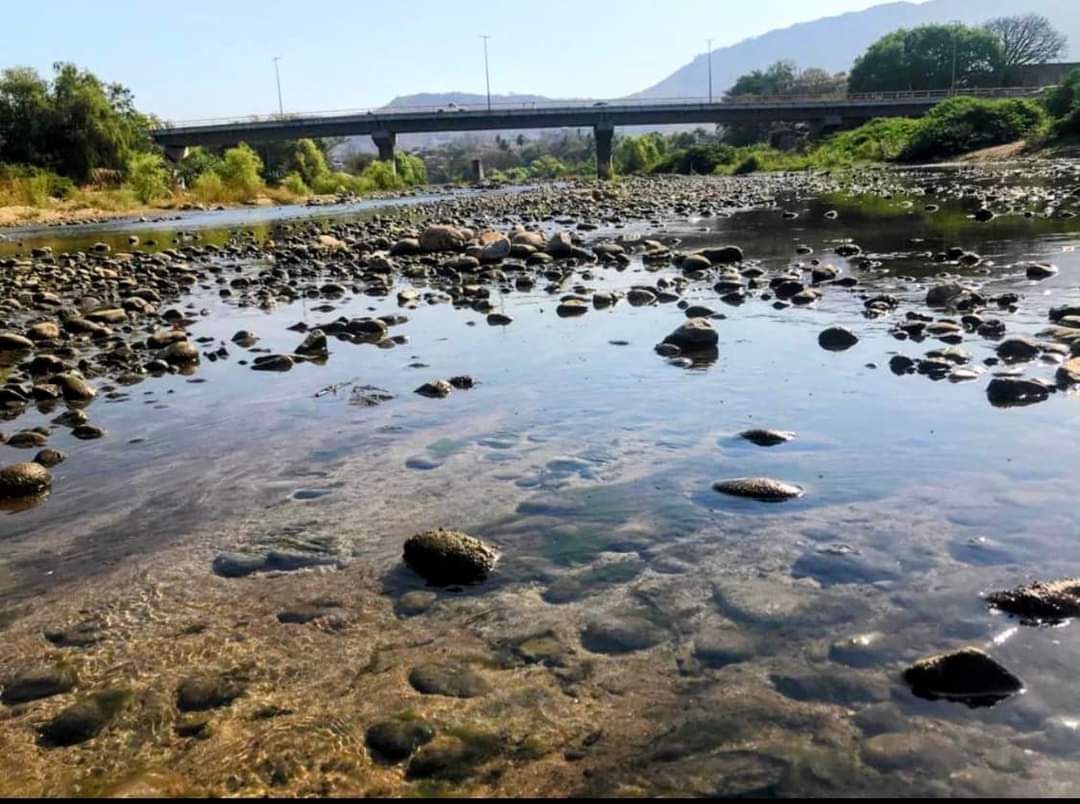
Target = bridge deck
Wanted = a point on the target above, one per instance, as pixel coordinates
(573, 114)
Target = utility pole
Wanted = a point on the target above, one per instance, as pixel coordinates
(708, 46)
(487, 74)
(277, 74)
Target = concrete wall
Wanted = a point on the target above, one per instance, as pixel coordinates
(1043, 75)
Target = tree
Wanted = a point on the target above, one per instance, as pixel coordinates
(924, 58)
(73, 125)
(1027, 39)
(780, 78)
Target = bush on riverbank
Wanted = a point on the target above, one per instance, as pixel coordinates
(1063, 103)
(964, 124)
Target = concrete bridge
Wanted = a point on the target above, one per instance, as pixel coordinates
(383, 125)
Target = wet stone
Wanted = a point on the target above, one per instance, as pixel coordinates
(718, 647)
(1050, 601)
(40, 682)
(764, 489)
(394, 741)
(837, 339)
(766, 438)
(968, 675)
(621, 633)
(449, 557)
(24, 480)
(448, 678)
(416, 602)
(80, 635)
(50, 457)
(436, 389)
(85, 719)
(204, 691)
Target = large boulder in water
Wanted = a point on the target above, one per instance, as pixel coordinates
(442, 238)
(1051, 601)
(449, 557)
(696, 335)
(968, 675)
(24, 480)
(1005, 392)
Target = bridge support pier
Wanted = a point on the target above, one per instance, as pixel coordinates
(823, 124)
(384, 141)
(603, 134)
(176, 153)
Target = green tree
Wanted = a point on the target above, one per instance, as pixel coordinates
(923, 59)
(309, 160)
(780, 78)
(148, 176)
(241, 171)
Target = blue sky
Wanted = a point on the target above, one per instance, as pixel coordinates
(200, 59)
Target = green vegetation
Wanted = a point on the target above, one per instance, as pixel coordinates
(923, 58)
(966, 124)
(1063, 103)
(77, 141)
(781, 78)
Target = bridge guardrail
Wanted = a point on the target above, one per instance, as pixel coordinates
(614, 105)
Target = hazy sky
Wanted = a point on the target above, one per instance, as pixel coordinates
(197, 58)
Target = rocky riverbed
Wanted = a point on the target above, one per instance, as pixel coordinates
(676, 486)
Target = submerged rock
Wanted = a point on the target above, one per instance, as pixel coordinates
(207, 691)
(449, 557)
(40, 682)
(85, 719)
(449, 679)
(1051, 601)
(394, 741)
(765, 489)
(968, 675)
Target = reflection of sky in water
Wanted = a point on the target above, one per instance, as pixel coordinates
(612, 450)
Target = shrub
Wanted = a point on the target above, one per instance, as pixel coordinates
(294, 183)
(147, 177)
(241, 172)
(750, 164)
(966, 124)
(209, 188)
(411, 170)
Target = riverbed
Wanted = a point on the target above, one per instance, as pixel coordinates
(642, 634)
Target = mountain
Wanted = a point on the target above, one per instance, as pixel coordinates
(833, 43)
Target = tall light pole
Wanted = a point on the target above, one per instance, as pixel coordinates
(487, 74)
(277, 75)
(708, 50)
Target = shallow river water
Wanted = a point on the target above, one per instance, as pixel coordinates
(642, 633)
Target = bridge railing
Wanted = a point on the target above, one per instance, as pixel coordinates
(614, 105)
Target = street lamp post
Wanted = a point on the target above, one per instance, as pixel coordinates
(708, 46)
(277, 75)
(487, 74)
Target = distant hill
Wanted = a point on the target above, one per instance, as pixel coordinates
(833, 43)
